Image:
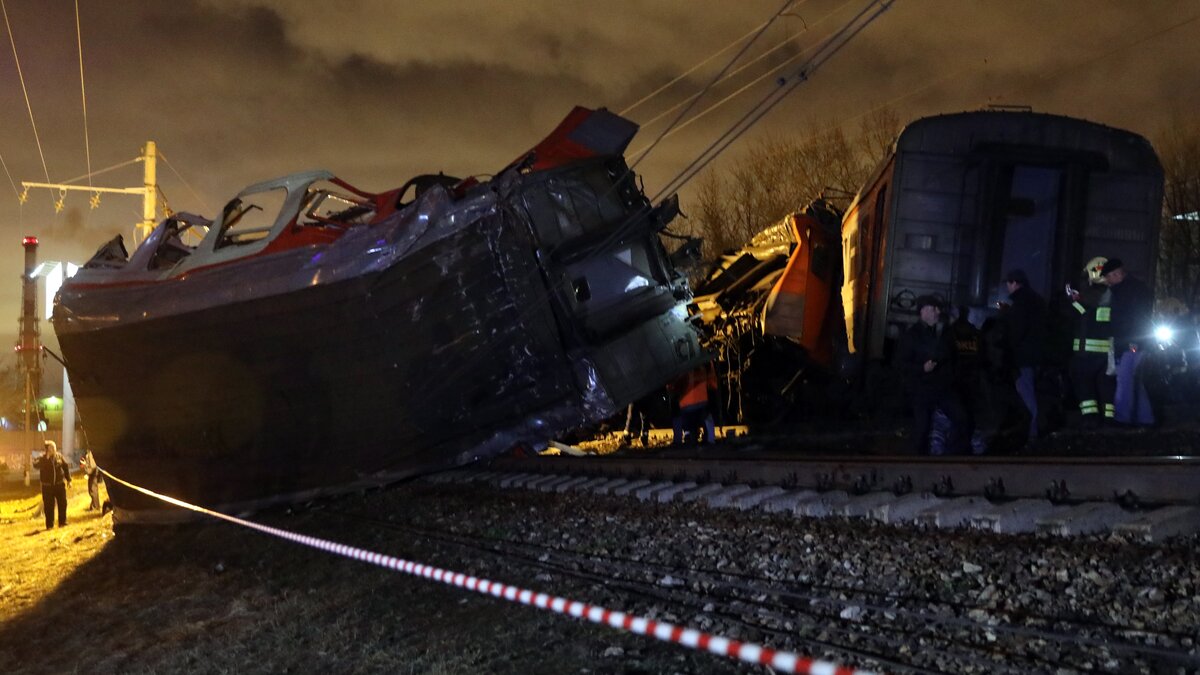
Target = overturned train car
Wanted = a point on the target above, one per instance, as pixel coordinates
(315, 335)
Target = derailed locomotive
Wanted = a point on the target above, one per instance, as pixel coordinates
(960, 199)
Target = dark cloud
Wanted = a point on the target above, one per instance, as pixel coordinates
(236, 91)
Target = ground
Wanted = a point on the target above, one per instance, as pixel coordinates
(211, 597)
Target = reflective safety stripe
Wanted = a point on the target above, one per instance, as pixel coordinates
(1079, 308)
(1090, 407)
(1110, 411)
(1093, 344)
(1103, 313)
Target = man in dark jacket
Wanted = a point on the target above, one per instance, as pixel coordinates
(1132, 306)
(1025, 336)
(926, 359)
(56, 476)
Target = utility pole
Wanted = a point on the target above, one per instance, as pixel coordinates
(148, 191)
(29, 346)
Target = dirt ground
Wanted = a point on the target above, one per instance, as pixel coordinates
(214, 598)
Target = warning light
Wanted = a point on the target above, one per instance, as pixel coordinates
(29, 241)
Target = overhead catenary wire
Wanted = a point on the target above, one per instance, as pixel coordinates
(780, 45)
(203, 202)
(693, 69)
(87, 143)
(715, 79)
(10, 178)
(24, 90)
(97, 172)
(823, 53)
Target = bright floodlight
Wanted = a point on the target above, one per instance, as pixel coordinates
(1164, 333)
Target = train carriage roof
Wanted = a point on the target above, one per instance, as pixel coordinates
(967, 132)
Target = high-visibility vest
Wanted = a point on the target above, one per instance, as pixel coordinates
(696, 387)
(1095, 329)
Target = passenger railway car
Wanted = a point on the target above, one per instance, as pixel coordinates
(964, 197)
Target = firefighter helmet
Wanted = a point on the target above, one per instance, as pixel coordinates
(1095, 269)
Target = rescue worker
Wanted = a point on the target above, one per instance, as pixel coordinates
(56, 476)
(1094, 387)
(1132, 307)
(694, 412)
(1025, 337)
(926, 359)
(969, 378)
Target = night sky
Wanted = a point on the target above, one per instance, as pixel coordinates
(238, 91)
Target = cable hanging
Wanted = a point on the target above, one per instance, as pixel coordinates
(186, 184)
(21, 77)
(87, 144)
(715, 79)
(691, 70)
(823, 53)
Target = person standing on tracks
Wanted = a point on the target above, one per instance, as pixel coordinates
(1094, 387)
(1025, 337)
(1132, 307)
(694, 412)
(926, 358)
(88, 464)
(969, 375)
(56, 476)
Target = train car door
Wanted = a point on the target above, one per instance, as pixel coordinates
(1028, 216)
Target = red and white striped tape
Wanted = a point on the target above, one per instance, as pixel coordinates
(788, 662)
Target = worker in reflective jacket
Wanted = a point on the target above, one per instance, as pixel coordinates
(1132, 308)
(1094, 386)
(692, 390)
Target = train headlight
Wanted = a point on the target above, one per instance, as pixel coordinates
(1164, 334)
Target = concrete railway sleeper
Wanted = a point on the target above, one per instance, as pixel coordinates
(1034, 496)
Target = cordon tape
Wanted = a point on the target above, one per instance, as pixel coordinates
(783, 661)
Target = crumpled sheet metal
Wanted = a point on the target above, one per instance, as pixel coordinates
(361, 250)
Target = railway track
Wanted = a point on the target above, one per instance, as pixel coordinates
(849, 619)
(1146, 498)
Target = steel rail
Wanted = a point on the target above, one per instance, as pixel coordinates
(1143, 480)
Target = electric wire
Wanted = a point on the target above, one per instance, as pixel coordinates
(824, 52)
(691, 70)
(21, 77)
(203, 202)
(748, 64)
(87, 143)
(12, 182)
(97, 172)
(716, 78)
(1099, 57)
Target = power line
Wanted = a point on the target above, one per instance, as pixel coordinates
(87, 145)
(736, 57)
(748, 64)
(10, 178)
(195, 194)
(693, 69)
(25, 91)
(90, 174)
(824, 52)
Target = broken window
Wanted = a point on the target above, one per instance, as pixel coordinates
(249, 219)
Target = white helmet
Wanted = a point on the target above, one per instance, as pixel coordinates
(1095, 270)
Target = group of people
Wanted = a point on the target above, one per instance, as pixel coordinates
(55, 476)
(942, 364)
